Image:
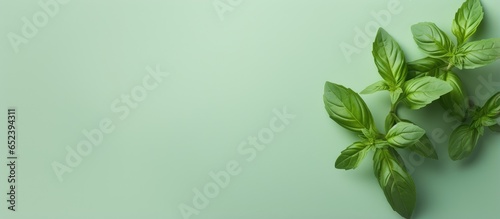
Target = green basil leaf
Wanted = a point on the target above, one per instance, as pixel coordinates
(389, 58)
(467, 19)
(477, 54)
(347, 108)
(404, 134)
(462, 142)
(397, 184)
(377, 86)
(352, 156)
(420, 92)
(426, 64)
(456, 99)
(488, 114)
(432, 40)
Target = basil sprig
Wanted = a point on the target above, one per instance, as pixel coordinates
(349, 110)
(417, 84)
(443, 56)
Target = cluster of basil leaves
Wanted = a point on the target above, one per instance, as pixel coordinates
(443, 56)
(416, 84)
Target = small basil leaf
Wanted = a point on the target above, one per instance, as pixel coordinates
(389, 58)
(397, 184)
(467, 19)
(377, 86)
(426, 64)
(431, 73)
(488, 114)
(423, 146)
(477, 54)
(395, 95)
(347, 108)
(369, 134)
(380, 143)
(390, 121)
(432, 40)
(462, 142)
(455, 100)
(404, 134)
(480, 130)
(420, 92)
(483, 122)
(352, 156)
(491, 108)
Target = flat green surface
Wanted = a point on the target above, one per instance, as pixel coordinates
(228, 82)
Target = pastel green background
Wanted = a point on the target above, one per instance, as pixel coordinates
(226, 77)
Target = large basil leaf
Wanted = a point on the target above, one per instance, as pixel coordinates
(347, 108)
(352, 156)
(419, 92)
(467, 19)
(390, 59)
(397, 184)
(432, 40)
(477, 54)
